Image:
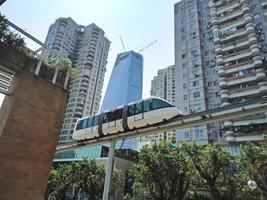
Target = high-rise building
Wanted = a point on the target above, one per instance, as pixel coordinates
(87, 48)
(163, 86)
(220, 48)
(195, 61)
(126, 81)
(125, 84)
(240, 29)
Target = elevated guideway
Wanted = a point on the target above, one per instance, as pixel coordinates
(231, 112)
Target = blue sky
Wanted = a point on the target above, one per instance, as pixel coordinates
(139, 22)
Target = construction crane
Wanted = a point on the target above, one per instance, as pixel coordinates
(142, 49)
(122, 43)
(149, 45)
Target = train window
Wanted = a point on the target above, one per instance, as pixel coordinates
(138, 108)
(85, 123)
(111, 116)
(118, 114)
(90, 122)
(105, 119)
(95, 120)
(156, 104)
(79, 125)
(131, 110)
(146, 105)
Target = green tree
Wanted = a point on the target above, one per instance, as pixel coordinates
(7, 37)
(254, 160)
(85, 176)
(212, 163)
(161, 173)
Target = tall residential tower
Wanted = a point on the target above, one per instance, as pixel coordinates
(87, 48)
(240, 29)
(220, 56)
(195, 61)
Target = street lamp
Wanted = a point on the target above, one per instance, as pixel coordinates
(252, 184)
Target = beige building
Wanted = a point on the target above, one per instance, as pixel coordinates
(240, 30)
(87, 48)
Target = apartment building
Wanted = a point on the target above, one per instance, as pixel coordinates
(197, 87)
(240, 29)
(163, 86)
(87, 48)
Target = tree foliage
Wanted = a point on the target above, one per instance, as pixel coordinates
(85, 176)
(162, 172)
(189, 171)
(8, 37)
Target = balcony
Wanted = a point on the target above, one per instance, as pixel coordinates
(228, 123)
(235, 137)
(213, 12)
(262, 86)
(257, 61)
(241, 79)
(240, 92)
(224, 95)
(260, 74)
(238, 67)
(222, 82)
(218, 49)
(243, 2)
(227, 6)
(219, 60)
(229, 16)
(245, 9)
(214, 20)
(217, 40)
(236, 34)
(236, 45)
(232, 24)
(248, 18)
(237, 55)
(250, 28)
(254, 49)
(225, 103)
(221, 70)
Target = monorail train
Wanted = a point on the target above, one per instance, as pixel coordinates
(123, 118)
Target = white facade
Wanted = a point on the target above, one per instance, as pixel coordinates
(87, 48)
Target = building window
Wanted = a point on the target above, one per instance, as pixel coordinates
(185, 97)
(183, 56)
(184, 75)
(195, 83)
(184, 85)
(184, 65)
(196, 94)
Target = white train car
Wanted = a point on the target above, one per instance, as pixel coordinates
(135, 115)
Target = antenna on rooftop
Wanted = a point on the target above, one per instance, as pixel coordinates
(122, 43)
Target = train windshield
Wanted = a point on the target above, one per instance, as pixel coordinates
(157, 103)
(80, 124)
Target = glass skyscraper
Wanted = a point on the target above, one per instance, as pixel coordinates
(125, 84)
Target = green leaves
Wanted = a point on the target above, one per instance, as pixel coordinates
(8, 37)
(63, 64)
(162, 172)
(166, 172)
(86, 176)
